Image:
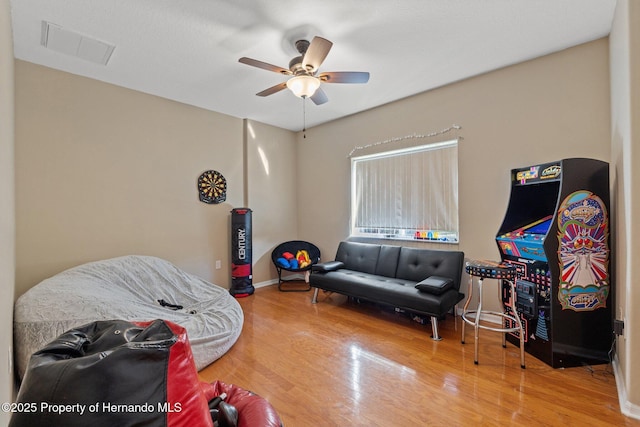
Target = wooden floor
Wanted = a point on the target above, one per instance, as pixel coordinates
(337, 363)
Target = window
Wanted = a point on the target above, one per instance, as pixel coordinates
(407, 194)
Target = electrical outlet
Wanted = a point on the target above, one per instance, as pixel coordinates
(618, 327)
(218, 264)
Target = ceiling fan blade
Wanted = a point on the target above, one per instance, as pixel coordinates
(319, 97)
(316, 52)
(344, 77)
(264, 65)
(273, 89)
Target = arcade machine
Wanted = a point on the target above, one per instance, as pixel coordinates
(556, 234)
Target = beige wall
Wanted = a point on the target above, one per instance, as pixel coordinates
(625, 125)
(542, 110)
(7, 224)
(103, 171)
(272, 184)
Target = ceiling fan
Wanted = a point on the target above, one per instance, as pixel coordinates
(305, 81)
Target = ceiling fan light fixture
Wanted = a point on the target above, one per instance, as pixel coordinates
(303, 86)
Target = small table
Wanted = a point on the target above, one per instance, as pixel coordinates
(492, 270)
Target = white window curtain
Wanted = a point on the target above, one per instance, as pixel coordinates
(407, 194)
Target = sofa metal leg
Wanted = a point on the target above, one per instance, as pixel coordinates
(455, 317)
(434, 327)
(314, 300)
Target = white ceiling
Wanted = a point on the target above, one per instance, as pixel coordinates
(188, 50)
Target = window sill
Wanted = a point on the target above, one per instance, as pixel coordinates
(445, 240)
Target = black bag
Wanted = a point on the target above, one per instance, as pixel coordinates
(114, 373)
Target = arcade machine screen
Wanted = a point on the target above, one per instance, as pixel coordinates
(526, 242)
(541, 228)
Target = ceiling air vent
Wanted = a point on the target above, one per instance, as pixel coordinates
(71, 43)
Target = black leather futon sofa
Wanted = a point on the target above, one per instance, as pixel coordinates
(421, 281)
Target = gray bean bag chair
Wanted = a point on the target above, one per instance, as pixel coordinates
(134, 288)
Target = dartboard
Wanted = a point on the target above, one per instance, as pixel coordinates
(212, 187)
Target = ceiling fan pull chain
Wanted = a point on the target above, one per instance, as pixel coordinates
(304, 117)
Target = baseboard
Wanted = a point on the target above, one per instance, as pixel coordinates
(295, 276)
(265, 283)
(627, 408)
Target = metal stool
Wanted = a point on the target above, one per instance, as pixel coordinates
(491, 270)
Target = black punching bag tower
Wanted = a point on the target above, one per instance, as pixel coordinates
(241, 276)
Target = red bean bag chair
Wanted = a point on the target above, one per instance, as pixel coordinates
(253, 410)
(126, 374)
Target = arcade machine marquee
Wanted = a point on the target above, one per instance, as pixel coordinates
(556, 234)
